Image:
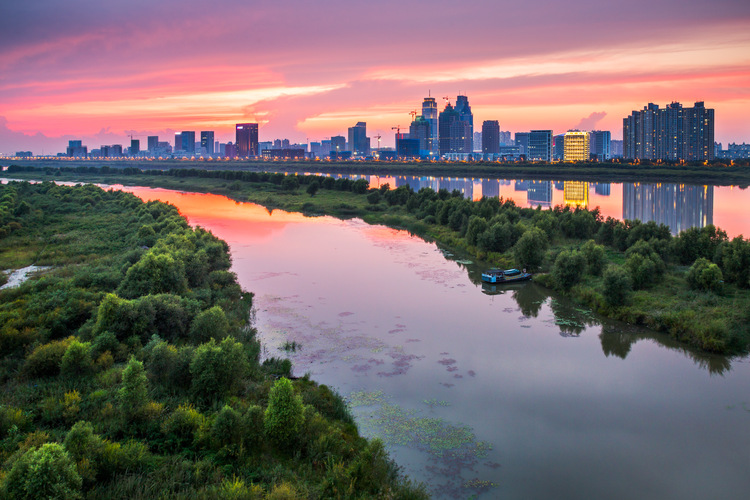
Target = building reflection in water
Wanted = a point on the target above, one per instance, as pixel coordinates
(576, 193)
(602, 188)
(675, 205)
(539, 193)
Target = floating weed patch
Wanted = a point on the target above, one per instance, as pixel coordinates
(432, 435)
(432, 403)
(365, 398)
(479, 486)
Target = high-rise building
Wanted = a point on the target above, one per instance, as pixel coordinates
(673, 133)
(452, 131)
(615, 148)
(76, 148)
(178, 142)
(188, 141)
(153, 142)
(600, 144)
(421, 130)
(338, 144)
(576, 146)
(490, 137)
(246, 139)
(558, 147)
(477, 142)
(505, 138)
(207, 141)
(540, 146)
(522, 141)
(359, 143)
(465, 115)
(430, 115)
(135, 147)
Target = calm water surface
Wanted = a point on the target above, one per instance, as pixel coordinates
(511, 393)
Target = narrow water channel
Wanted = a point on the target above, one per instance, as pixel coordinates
(504, 393)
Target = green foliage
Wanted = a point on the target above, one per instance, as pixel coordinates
(45, 472)
(313, 188)
(596, 259)
(693, 243)
(284, 415)
(290, 183)
(181, 429)
(617, 285)
(154, 273)
(133, 393)
(477, 226)
(568, 268)
(374, 198)
(44, 360)
(209, 324)
(77, 362)
(218, 369)
(530, 250)
(705, 275)
(734, 259)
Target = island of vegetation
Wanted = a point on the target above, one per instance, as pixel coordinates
(694, 286)
(129, 370)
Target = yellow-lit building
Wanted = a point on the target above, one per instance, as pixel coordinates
(576, 193)
(576, 146)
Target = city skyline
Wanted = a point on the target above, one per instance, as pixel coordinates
(100, 72)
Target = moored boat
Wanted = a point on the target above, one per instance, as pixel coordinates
(505, 275)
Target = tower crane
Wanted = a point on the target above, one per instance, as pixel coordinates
(447, 100)
(413, 114)
(378, 138)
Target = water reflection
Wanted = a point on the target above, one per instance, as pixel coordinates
(678, 206)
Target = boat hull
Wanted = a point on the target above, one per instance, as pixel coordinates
(497, 279)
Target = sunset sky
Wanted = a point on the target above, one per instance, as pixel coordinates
(100, 70)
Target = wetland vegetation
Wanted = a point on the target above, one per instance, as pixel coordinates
(129, 369)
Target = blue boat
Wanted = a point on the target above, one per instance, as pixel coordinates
(505, 276)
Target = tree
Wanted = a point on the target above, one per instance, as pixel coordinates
(643, 270)
(595, 257)
(477, 226)
(45, 472)
(568, 268)
(217, 370)
(313, 188)
(705, 275)
(617, 285)
(208, 324)
(284, 415)
(133, 393)
(530, 249)
(77, 360)
(154, 273)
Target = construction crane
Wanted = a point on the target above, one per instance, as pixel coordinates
(378, 138)
(413, 114)
(447, 100)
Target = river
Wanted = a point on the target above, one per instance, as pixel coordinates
(511, 393)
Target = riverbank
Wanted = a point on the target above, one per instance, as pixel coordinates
(717, 173)
(644, 261)
(129, 368)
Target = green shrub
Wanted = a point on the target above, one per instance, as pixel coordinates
(596, 260)
(530, 249)
(133, 393)
(209, 324)
(45, 472)
(284, 415)
(617, 285)
(76, 361)
(568, 268)
(705, 275)
(217, 370)
(44, 360)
